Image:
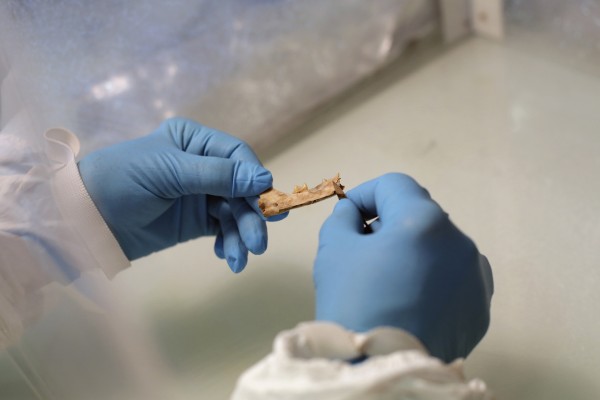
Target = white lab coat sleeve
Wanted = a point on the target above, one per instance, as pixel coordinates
(310, 362)
(50, 230)
(76, 205)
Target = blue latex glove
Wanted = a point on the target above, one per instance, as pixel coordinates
(416, 271)
(180, 182)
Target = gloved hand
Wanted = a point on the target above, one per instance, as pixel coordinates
(416, 271)
(180, 182)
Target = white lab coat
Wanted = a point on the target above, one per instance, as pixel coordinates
(51, 230)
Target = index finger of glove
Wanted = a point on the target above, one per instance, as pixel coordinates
(390, 196)
(217, 176)
(193, 137)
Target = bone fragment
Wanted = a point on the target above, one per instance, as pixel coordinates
(273, 201)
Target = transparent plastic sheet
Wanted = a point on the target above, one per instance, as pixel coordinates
(113, 70)
(65, 332)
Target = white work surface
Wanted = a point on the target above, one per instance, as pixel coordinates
(507, 143)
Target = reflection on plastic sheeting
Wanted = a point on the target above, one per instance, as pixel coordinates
(84, 346)
(113, 70)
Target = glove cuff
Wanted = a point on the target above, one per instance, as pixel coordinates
(76, 205)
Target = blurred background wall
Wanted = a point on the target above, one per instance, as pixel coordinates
(567, 32)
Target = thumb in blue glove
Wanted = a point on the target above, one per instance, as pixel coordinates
(181, 182)
(416, 271)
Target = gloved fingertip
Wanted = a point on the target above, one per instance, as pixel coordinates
(236, 265)
(232, 263)
(263, 179)
(218, 248)
(261, 246)
(278, 217)
(344, 206)
(219, 254)
(251, 180)
(487, 276)
(344, 218)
